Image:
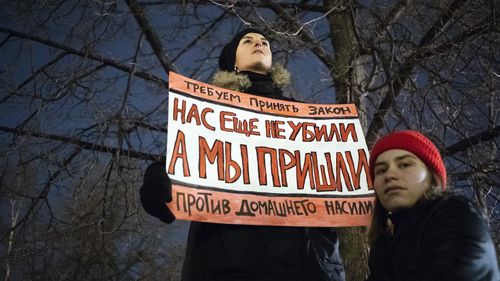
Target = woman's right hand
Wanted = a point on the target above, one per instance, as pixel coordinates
(155, 191)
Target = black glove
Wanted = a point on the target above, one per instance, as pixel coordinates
(155, 191)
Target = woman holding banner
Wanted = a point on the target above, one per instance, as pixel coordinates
(419, 231)
(245, 252)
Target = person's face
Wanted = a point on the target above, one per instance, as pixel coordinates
(254, 54)
(401, 179)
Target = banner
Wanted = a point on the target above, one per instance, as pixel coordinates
(243, 159)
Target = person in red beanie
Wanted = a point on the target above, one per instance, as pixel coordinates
(420, 231)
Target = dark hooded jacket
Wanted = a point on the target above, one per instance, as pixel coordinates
(258, 253)
(444, 239)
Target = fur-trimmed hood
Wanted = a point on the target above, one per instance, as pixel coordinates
(240, 82)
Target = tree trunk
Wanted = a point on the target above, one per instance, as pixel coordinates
(353, 240)
(354, 251)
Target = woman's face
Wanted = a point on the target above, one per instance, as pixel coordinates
(254, 54)
(401, 179)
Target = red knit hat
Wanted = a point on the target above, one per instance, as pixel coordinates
(415, 143)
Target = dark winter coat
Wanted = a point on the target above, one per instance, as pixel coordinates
(445, 240)
(258, 253)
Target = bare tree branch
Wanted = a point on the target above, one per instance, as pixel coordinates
(463, 144)
(299, 6)
(394, 15)
(84, 144)
(151, 36)
(87, 54)
(403, 74)
(316, 48)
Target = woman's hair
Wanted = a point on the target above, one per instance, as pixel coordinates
(378, 225)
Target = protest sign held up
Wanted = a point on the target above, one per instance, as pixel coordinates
(243, 159)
